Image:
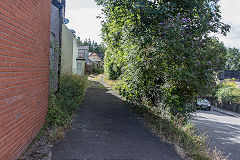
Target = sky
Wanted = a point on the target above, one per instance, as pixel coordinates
(83, 19)
(82, 15)
(231, 15)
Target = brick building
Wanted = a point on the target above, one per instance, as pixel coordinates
(24, 72)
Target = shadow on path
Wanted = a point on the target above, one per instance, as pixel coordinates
(222, 130)
(105, 129)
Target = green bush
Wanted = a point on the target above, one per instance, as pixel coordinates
(66, 101)
(177, 131)
(112, 69)
(161, 51)
(98, 70)
(228, 91)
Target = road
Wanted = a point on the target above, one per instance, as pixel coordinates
(223, 131)
(106, 129)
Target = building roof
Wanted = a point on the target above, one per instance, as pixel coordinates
(99, 55)
(83, 47)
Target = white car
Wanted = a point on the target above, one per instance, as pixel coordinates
(203, 104)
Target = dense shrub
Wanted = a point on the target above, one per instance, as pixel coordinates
(161, 51)
(228, 91)
(67, 100)
(112, 69)
(233, 59)
(97, 69)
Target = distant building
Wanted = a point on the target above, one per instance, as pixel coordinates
(69, 56)
(96, 58)
(83, 61)
(81, 66)
(83, 52)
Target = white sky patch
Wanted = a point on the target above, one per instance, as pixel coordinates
(83, 19)
(231, 15)
(82, 15)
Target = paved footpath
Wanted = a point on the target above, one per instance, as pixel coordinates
(105, 129)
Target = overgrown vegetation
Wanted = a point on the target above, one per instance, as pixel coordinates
(233, 59)
(180, 133)
(97, 69)
(163, 57)
(228, 91)
(61, 107)
(161, 52)
(66, 101)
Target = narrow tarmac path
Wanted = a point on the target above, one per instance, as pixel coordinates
(104, 128)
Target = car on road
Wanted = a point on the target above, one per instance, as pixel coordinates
(203, 104)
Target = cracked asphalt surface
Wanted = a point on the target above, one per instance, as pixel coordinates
(104, 128)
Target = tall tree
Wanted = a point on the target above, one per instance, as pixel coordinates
(79, 41)
(233, 59)
(161, 49)
(93, 46)
(220, 52)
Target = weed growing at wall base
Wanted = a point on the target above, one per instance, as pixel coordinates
(61, 107)
(66, 101)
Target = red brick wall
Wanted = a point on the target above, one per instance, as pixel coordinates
(24, 72)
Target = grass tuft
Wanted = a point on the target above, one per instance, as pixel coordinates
(66, 101)
(176, 131)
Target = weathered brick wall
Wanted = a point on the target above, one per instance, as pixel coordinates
(54, 51)
(24, 72)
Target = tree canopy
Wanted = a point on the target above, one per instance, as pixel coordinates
(233, 59)
(161, 51)
(93, 46)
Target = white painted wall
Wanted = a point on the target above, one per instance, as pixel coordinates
(75, 56)
(67, 51)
